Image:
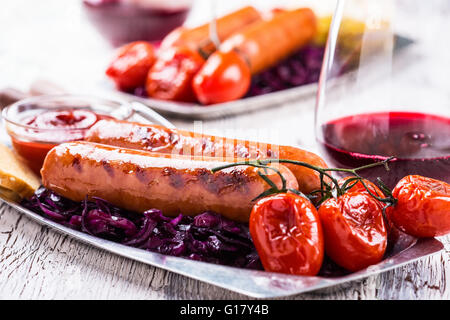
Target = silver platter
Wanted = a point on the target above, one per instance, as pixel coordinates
(245, 105)
(257, 284)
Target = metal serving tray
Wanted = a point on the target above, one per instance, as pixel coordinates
(257, 284)
(197, 111)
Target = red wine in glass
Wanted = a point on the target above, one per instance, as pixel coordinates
(419, 142)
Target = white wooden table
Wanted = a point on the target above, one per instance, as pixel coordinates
(52, 40)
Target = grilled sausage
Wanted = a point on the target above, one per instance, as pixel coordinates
(140, 180)
(174, 141)
(198, 37)
(266, 42)
(183, 52)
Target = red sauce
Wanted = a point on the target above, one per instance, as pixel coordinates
(70, 119)
(48, 129)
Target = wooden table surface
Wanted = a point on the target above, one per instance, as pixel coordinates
(38, 263)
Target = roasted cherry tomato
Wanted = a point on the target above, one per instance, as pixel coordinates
(224, 77)
(287, 234)
(423, 206)
(131, 64)
(393, 232)
(359, 187)
(354, 230)
(171, 76)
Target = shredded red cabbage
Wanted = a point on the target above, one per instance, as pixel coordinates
(303, 67)
(207, 237)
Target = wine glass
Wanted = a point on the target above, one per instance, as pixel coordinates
(384, 88)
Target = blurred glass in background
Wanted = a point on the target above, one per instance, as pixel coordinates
(122, 21)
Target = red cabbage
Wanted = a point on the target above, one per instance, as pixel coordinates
(303, 67)
(207, 237)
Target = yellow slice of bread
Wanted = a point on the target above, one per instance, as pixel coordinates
(9, 195)
(15, 175)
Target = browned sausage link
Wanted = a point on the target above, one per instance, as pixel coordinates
(198, 37)
(174, 141)
(139, 180)
(266, 42)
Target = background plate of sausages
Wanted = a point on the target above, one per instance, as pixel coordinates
(275, 57)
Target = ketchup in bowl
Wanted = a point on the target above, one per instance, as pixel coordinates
(49, 129)
(36, 125)
(70, 119)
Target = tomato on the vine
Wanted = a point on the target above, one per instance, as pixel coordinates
(357, 186)
(286, 230)
(224, 77)
(354, 230)
(130, 66)
(422, 208)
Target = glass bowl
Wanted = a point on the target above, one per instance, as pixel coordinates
(37, 124)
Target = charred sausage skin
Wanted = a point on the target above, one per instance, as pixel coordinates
(160, 139)
(266, 42)
(199, 37)
(139, 180)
